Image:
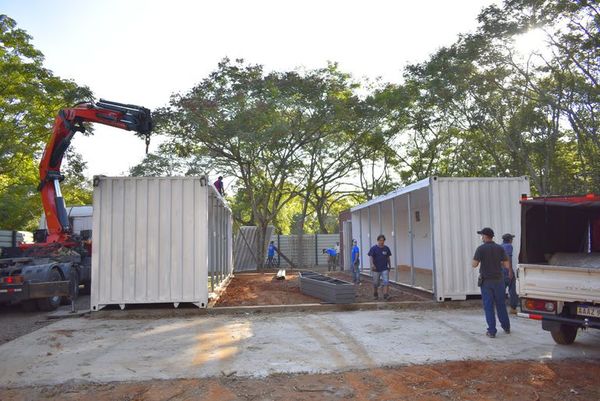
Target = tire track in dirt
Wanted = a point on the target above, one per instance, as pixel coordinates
(324, 343)
(349, 341)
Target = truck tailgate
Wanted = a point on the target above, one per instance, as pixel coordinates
(560, 283)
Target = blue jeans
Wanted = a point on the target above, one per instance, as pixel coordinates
(513, 298)
(492, 293)
(356, 273)
(381, 278)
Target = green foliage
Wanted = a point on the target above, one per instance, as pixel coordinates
(480, 108)
(302, 145)
(30, 97)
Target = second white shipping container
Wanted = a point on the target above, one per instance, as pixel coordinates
(431, 228)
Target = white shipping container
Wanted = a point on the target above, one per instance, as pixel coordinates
(158, 240)
(431, 228)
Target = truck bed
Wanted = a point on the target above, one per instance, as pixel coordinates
(560, 283)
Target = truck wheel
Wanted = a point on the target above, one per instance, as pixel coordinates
(51, 303)
(565, 334)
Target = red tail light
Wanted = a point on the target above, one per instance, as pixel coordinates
(540, 305)
(12, 280)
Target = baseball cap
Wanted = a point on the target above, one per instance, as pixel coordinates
(486, 231)
(507, 236)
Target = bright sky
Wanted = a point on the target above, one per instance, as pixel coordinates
(140, 52)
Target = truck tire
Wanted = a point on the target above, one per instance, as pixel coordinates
(565, 334)
(51, 303)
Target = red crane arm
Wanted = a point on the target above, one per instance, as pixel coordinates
(67, 123)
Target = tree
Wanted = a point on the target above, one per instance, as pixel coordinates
(253, 126)
(30, 97)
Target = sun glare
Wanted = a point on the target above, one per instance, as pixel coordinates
(532, 41)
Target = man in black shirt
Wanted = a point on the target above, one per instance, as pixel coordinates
(492, 258)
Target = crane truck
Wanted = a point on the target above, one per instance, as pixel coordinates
(41, 274)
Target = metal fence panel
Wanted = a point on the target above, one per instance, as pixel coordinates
(246, 245)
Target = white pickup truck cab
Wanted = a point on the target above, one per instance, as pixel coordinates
(558, 278)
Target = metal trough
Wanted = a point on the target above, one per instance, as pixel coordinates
(328, 289)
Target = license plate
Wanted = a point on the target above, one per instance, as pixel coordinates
(586, 310)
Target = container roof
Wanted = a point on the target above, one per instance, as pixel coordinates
(397, 192)
(424, 183)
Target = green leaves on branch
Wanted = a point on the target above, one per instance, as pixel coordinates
(30, 97)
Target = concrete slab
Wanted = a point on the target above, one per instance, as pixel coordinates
(94, 350)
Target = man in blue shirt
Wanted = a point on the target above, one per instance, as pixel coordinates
(271, 255)
(510, 281)
(380, 266)
(355, 262)
(331, 258)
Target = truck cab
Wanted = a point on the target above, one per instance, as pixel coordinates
(558, 277)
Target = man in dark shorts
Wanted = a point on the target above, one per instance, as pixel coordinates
(492, 258)
(380, 266)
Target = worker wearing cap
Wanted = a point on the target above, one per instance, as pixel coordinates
(492, 259)
(510, 283)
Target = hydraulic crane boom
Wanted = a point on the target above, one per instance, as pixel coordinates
(67, 123)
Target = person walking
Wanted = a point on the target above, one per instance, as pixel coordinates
(492, 259)
(510, 281)
(355, 263)
(380, 266)
(271, 255)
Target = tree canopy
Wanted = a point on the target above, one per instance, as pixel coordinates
(30, 97)
(300, 145)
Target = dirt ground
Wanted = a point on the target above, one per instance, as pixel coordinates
(263, 289)
(468, 380)
(247, 289)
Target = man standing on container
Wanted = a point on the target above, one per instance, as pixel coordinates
(380, 266)
(219, 186)
(355, 263)
(510, 281)
(492, 258)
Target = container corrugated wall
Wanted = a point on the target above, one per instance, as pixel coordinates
(461, 207)
(157, 240)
